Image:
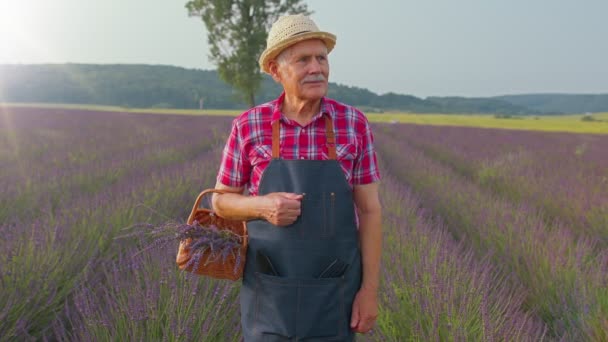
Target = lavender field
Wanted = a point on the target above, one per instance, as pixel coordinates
(489, 235)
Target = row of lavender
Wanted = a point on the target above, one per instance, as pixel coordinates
(49, 156)
(565, 273)
(564, 175)
(53, 242)
(69, 277)
(432, 289)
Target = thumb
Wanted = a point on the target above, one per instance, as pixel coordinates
(292, 196)
(354, 320)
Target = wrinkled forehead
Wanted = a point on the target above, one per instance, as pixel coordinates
(306, 47)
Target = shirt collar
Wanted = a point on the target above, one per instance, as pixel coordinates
(325, 108)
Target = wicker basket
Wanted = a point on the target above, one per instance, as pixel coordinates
(220, 269)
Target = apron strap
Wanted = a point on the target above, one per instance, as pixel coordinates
(331, 139)
(275, 139)
(329, 134)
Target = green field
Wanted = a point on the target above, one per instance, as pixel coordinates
(557, 123)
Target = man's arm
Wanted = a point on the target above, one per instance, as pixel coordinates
(365, 306)
(279, 208)
(370, 232)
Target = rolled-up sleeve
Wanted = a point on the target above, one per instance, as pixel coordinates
(365, 170)
(235, 169)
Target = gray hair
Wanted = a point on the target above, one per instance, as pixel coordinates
(281, 59)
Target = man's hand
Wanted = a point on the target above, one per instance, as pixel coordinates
(365, 311)
(281, 208)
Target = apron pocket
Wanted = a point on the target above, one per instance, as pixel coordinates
(321, 312)
(306, 308)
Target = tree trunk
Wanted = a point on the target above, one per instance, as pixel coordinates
(250, 99)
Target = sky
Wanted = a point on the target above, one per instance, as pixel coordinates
(472, 48)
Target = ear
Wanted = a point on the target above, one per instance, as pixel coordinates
(273, 67)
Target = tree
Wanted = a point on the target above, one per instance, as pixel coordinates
(237, 31)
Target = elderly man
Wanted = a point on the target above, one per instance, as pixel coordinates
(314, 217)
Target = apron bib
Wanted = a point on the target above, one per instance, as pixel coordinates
(298, 304)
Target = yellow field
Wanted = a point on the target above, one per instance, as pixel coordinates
(562, 123)
(601, 116)
(566, 123)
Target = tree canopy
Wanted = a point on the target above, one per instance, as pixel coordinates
(237, 31)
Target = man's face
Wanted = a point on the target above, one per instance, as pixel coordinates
(303, 70)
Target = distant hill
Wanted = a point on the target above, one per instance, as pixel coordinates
(159, 86)
(564, 103)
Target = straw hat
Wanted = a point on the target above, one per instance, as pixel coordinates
(288, 30)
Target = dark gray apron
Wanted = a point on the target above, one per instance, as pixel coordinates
(297, 305)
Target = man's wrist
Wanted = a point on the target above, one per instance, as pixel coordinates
(260, 207)
(369, 287)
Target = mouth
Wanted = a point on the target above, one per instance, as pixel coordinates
(315, 82)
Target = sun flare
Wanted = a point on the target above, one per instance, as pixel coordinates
(15, 37)
(12, 17)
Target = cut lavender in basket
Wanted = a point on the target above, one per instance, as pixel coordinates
(219, 243)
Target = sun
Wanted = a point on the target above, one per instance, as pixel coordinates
(17, 40)
(11, 16)
(13, 23)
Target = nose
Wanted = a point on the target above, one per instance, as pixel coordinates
(315, 66)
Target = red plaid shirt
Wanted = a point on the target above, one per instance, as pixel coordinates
(249, 147)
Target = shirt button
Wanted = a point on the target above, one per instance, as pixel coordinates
(303, 130)
(302, 157)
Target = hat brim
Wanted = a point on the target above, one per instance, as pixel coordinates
(271, 53)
